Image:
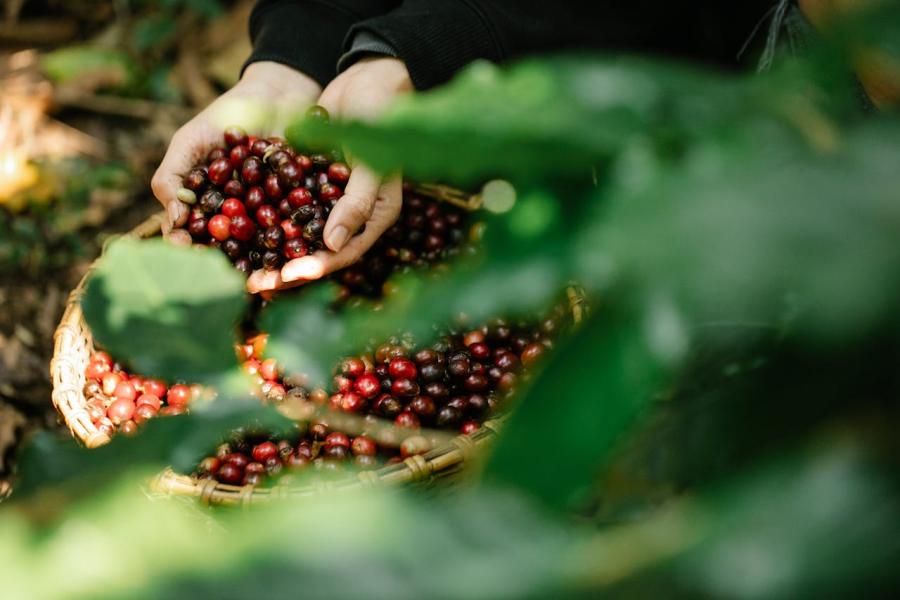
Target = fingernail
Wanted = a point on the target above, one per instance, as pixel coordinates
(301, 269)
(338, 237)
(175, 210)
(179, 237)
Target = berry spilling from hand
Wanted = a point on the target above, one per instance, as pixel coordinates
(264, 203)
(251, 189)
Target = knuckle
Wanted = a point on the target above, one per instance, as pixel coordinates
(360, 207)
(158, 184)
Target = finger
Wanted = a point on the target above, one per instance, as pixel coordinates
(354, 208)
(179, 237)
(177, 212)
(185, 150)
(261, 281)
(323, 262)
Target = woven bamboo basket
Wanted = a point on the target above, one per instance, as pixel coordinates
(73, 346)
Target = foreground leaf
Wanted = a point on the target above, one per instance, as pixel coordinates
(168, 312)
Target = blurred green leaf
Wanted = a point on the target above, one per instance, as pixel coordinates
(114, 68)
(58, 467)
(153, 30)
(551, 120)
(743, 236)
(594, 388)
(169, 312)
(818, 523)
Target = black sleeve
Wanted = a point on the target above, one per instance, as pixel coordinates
(435, 39)
(307, 34)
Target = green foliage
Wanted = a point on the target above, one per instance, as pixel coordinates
(169, 312)
(527, 123)
(56, 468)
(115, 67)
(153, 30)
(595, 387)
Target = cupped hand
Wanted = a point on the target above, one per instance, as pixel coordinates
(262, 102)
(369, 200)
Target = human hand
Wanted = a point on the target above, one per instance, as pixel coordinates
(262, 102)
(361, 92)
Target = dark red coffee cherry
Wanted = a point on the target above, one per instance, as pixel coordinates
(367, 385)
(335, 453)
(329, 192)
(215, 154)
(295, 249)
(233, 249)
(404, 387)
(431, 372)
(252, 170)
(426, 356)
(469, 427)
(476, 382)
(312, 231)
(480, 351)
(230, 473)
(289, 174)
(363, 446)
(352, 367)
(459, 366)
(198, 229)
(448, 416)
(235, 136)
(211, 201)
(424, 407)
(532, 353)
(220, 227)
(299, 196)
(195, 180)
(233, 188)
(402, 368)
(254, 199)
(263, 452)
(338, 438)
(274, 237)
(271, 260)
(387, 406)
(238, 155)
(220, 171)
(437, 390)
(242, 228)
(338, 172)
(273, 187)
(352, 402)
(232, 207)
(407, 420)
(266, 216)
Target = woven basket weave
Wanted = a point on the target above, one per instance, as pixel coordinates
(73, 346)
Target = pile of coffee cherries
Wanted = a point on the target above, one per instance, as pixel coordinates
(264, 203)
(402, 394)
(119, 401)
(260, 201)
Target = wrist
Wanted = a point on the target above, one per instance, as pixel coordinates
(279, 80)
(391, 71)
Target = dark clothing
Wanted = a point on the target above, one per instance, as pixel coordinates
(435, 38)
